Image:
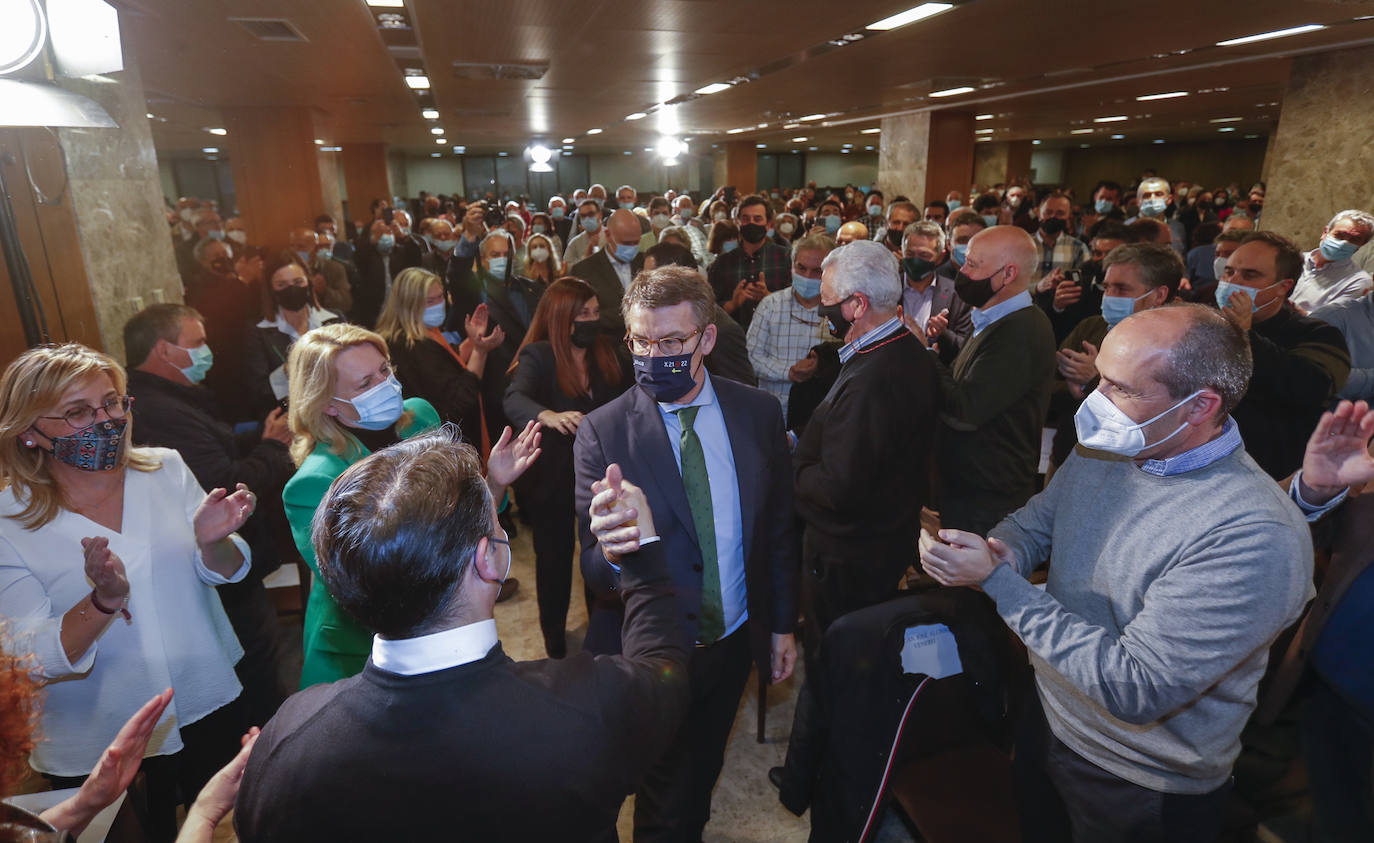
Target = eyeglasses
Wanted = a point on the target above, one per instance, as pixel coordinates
(84, 416)
(669, 346)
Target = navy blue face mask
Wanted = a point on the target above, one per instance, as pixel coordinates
(665, 379)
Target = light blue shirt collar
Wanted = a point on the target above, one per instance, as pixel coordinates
(1199, 457)
(871, 337)
(986, 316)
(437, 651)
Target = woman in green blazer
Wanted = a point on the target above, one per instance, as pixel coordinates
(345, 403)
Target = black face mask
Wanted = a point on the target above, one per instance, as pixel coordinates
(1052, 226)
(917, 268)
(975, 291)
(292, 298)
(584, 334)
(839, 326)
(224, 266)
(753, 232)
(895, 237)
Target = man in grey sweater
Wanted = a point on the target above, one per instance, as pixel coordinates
(1175, 563)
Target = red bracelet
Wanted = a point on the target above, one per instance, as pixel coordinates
(123, 609)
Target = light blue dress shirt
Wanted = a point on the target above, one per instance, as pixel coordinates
(720, 465)
(985, 317)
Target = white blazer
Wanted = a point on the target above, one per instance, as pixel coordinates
(179, 636)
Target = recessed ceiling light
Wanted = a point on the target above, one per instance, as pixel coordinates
(984, 116)
(417, 82)
(1117, 118)
(435, 154)
(790, 125)
(812, 117)
(459, 150)
(387, 4)
(1265, 36)
(441, 140)
(218, 131)
(760, 146)
(331, 149)
(1159, 140)
(875, 130)
(1225, 120)
(952, 92)
(846, 145)
(1168, 96)
(761, 126)
(980, 140)
(813, 148)
(713, 88)
(149, 115)
(648, 149)
(568, 140)
(319, 141)
(210, 150)
(436, 131)
(1249, 137)
(869, 148)
(430, 114)
(628, 152)
(982, 131)
(796, 152)
(1227, 129)
(845, 151)
(802, 139)
(503, 154)
(911, 15)
(1035, 143)
(1081, 131)
(593, 131)
(1118, 137)
(736, 131)
(638, 115)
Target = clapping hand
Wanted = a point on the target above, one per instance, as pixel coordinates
(222, 513)
(105, 570)
(620, 515)
(961, 558)
(218, 795)
(1077, 367)
(512, 455)
(1337, 453)
(476, 324)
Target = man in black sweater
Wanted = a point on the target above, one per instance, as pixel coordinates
(168, 358)
(862, 468)
(443, 736)
(1300, 362)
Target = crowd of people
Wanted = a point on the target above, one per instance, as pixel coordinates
(1129, 425)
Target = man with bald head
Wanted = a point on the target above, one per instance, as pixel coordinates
(997, 391)
(612, 268)
(851, 231)
(1177, 562)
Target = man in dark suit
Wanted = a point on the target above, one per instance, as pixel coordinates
(612, 268)
(442, 735)
(379, 262)
(929, 306)
(712, 456)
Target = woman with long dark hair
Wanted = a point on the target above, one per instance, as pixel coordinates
(566, 367)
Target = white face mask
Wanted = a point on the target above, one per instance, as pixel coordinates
(539, 254)
(239, 237)
(1102, 426)
(1219, 267)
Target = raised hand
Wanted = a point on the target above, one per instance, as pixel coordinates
(218, 795)
(105, 570)
(620, 515)
(1337, 453)
(221, 513)
(512, 455)
(1240, 309)
(475, 323)
(936, 325)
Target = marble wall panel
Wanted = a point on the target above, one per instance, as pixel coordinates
(903, 154)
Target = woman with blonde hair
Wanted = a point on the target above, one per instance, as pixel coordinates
(427, 364)
(541, 260)
(109, 555)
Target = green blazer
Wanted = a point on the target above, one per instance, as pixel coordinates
(336, 646)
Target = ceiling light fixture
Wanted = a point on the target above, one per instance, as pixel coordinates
(218, 131)
(568, 140)
(540, 155)
(436, 131)
(1113, 119)
(982, 131)
(441, 141)
(812, 117)
(210, 150)
(869, 148)
(319, 141)
(1159, 140)
(1081, 131)
(713, 88)
(670, 149)
(331, 149)
(813, 148)
(736, 131)
(952, 92)
(1035, 143)
(503, 154)
(387, 4)
(593, 131)
(760, 146)
(983, 116)
(418, 83)
(1168, 96)
(1227, 129)
(791, 125)
(149, 115)
(460, 149)
(802, 139)
(435, 154)
(1265, 36)
(1225, 120)
(430, 114)
(1118, 137)
(875, 130)
(638, 115)
(921, 12)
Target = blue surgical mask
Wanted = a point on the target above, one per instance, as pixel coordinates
(665, 379)
(807, 288)
(1116, 308)
(954, 205)
(434, 315)
(386, 243)
(626, 253)
(832, 223)
(1226, 288)
(1336, 249)
(990, 220)
(589, 223)
(445, 245)
(537, 228)
(201, 360)
(497, 266)
(556, 213)
(1104, 206)
(215, 234)
(627, 206)
(729, 246)
(380, 407)
(959, 252)
(1153, 207)
(875, 209)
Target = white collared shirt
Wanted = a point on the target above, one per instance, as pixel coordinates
(436, 651)
(318, 316)
(623, 270)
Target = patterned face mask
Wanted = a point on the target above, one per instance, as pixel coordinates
(93, 448)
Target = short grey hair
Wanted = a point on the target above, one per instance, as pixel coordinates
(666, 286)
(928, 229)
(816, 242)
(1212, 354)
(1362, 219)
(198, 250)
(868, 267)
(1152, 180)
(491, 235)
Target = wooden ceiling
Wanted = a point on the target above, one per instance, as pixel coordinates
(1042, 70)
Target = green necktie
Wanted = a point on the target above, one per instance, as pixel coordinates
(697, 483)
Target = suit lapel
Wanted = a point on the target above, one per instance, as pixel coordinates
(748, 468)
(649, 438)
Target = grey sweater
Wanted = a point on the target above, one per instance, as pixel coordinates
(1164, 595)
(1354, 318)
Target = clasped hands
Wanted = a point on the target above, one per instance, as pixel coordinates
(620, 515)
(956, 557)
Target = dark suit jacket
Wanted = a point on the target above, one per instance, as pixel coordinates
(374, 276)
(730, 357)
(563, 228)
(597, 271)
(489, 750)
(960, 322)
(427, 370)
(630, 431)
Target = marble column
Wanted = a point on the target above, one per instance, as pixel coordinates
(925, 155)
(1319, 160)
(366, 176)
(115, 194)
(276, 167)
(741, 166)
